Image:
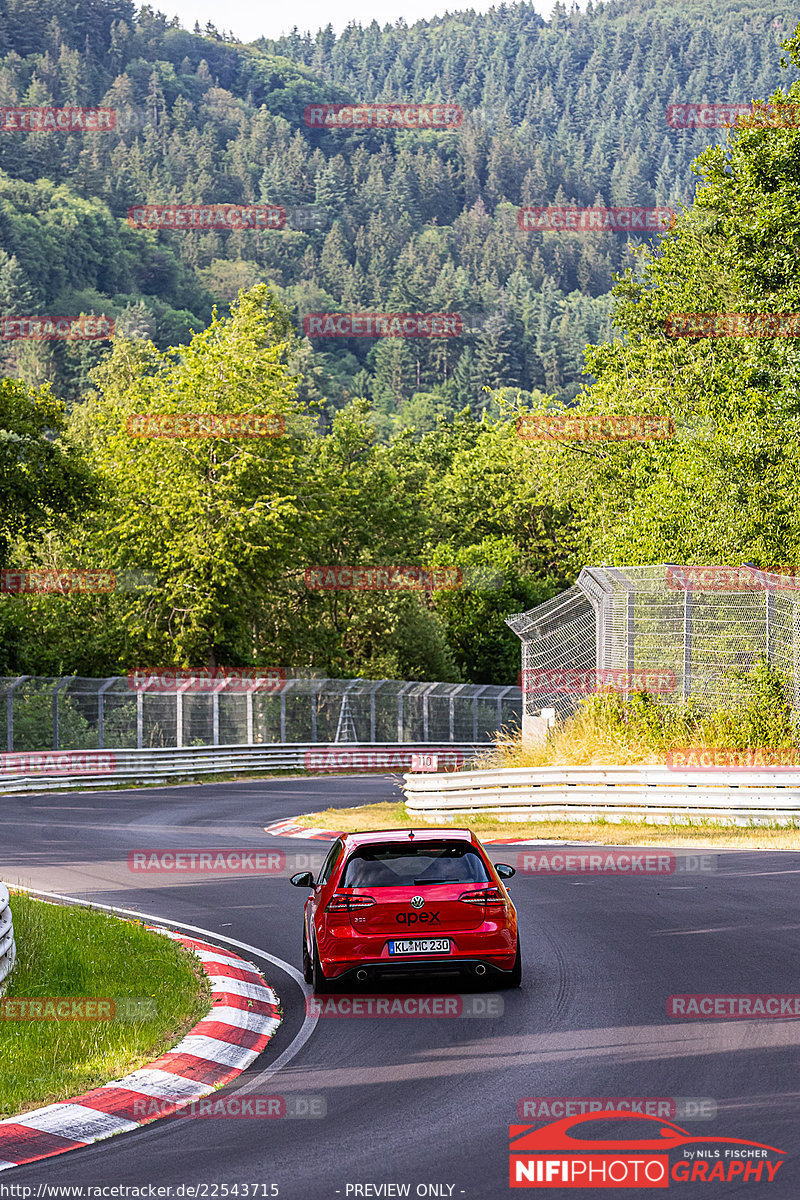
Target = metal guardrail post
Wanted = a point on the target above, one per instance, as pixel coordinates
(475, 713)
(139, 719)
(500, 700)
(179, 712)
(459, 687)
(249, 700)
(426, 712)
(101, 712)
(630, 636)
(769, 617)
(10, 710)
(372, 710)
(400, 713)
(8, 949)
(687, 644)
(62, 683)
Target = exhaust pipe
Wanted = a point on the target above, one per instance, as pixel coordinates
(362, 976)
(480, 969)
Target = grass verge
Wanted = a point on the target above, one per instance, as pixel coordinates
(600, 832)
(75, 952)
(758, 723)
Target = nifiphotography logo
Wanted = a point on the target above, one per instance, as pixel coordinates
(580, 1151)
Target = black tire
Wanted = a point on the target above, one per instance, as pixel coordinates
(320, 984)
(514, 977)
(307, 968)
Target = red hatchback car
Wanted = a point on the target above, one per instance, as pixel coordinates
(406, 901)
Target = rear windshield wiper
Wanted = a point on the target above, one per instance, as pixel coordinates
(438, 881)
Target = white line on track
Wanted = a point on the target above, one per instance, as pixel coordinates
(309, 1022)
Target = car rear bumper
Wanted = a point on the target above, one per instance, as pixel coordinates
(345, 949)
(371, 970)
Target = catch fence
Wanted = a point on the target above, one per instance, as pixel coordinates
(128, 712)
(676, 631)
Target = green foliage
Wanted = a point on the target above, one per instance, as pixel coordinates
(33, 721)
(757, 715)
(396, 452)
(568, 111)
(42, 480)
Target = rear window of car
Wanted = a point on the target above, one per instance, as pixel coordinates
(396, 864)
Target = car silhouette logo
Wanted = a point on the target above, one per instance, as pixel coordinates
(417, 901)
(557, 1136)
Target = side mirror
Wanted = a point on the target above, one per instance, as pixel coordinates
(303, 879)
(504, 870)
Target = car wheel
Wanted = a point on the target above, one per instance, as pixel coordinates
(320, 984)
(514, 978)
(307, 969)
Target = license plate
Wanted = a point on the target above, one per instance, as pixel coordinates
(420, 946)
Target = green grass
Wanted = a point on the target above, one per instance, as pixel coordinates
(82, 952)
(697, 833)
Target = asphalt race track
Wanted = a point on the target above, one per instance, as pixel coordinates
(429, 1101)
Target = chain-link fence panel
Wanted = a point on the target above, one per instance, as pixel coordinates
(678, 632)
(127, 712)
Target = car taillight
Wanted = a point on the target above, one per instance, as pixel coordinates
(339, 903)
(489, 895)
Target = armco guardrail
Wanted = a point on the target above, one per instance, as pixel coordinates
(654, 794)
(57, 771)
(8, 951)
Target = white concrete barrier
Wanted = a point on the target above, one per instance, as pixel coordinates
(654, 794)
(8, 951)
